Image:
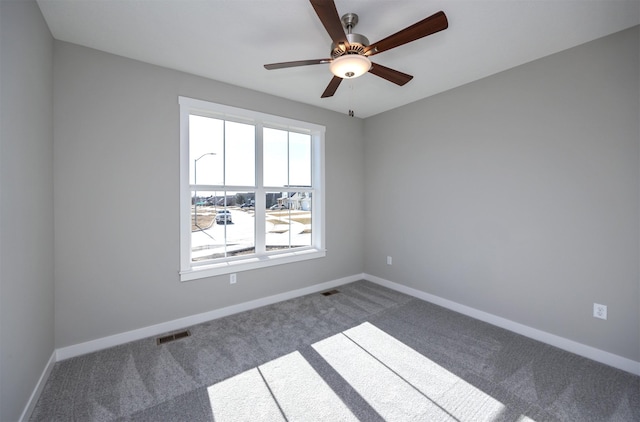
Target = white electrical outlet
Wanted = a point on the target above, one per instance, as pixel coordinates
(389, 260)
(232, 278)
(599, 311)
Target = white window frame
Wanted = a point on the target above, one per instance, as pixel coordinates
(190, 270)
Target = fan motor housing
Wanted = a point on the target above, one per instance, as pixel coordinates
(357, 44)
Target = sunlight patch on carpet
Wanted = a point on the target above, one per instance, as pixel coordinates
(400, 383)
(244, 397)
(301, 391)
(288, 385)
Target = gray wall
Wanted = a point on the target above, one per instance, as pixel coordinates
(26, 203)
(116, 202)
(518, 194)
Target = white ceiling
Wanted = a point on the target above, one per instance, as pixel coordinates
(230, 40)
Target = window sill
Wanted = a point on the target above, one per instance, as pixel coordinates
(250, 264)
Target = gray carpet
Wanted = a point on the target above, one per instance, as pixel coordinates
(367, 353)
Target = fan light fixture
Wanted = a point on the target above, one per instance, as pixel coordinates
(350, 52)
(350, 66)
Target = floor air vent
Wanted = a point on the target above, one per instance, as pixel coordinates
(172, 337)
(330, 292)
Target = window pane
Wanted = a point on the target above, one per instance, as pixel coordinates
(205, 139)
(288, 220)
(222, 224)
(275, 157)
(299, 159)
(221, 163)
(240, 159)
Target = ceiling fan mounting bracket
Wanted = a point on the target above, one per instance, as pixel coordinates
(349, 21)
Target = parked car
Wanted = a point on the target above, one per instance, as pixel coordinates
(277, 207)
(224, 216)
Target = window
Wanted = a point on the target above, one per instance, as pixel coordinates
(251, 189)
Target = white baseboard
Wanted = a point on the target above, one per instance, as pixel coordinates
(138, 334)
(122, 338)
(548, 338)
(178, 324)
(31, 403)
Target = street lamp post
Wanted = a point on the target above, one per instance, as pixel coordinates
(195, 191)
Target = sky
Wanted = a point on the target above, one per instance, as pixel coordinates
(287, 155)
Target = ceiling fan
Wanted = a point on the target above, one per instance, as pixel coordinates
(350, 52)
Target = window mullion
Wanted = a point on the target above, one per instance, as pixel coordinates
(224, 156)
(260, 197)
(289, 182)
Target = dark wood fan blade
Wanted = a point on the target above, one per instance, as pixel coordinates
(328, 15)
(332, 87)
(389, 74)
(434, 23)
(283, 65)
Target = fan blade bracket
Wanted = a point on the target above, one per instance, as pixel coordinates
(369, 51)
